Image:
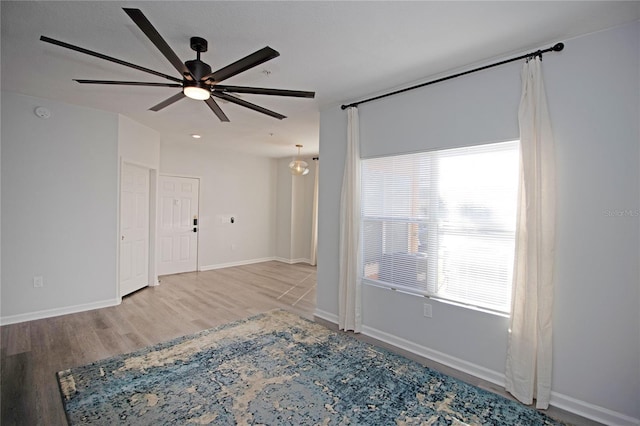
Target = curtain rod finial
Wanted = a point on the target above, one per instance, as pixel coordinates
(558, 47)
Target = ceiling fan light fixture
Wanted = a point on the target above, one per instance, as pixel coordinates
(299, 167)
(198, 91)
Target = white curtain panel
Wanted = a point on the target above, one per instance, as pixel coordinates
(349, 299)
(528, 367)
(314, 219)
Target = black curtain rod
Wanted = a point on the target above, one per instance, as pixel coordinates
(556, 48)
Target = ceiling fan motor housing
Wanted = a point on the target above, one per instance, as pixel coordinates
(198, 68)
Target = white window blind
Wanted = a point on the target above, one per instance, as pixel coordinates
(442, 223)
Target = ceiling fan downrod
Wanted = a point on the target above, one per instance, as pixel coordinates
(198, 68)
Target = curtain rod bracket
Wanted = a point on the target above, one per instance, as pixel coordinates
(556, 48)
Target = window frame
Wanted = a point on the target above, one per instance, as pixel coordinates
(434, 232)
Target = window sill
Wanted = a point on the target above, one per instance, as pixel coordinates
(373, 283)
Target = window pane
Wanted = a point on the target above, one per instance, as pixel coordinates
(477, 269)
(442, 223)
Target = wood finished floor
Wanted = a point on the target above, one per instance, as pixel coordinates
(32, 352)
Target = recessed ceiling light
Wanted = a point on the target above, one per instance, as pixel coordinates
(196, 136)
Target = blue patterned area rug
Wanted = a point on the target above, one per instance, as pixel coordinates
(277, 369)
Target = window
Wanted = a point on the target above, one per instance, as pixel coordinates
(442, 223)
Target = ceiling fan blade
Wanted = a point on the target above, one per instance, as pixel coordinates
(107, 58)
(248, 62)
(263, 91)
(147, 28)
(128, 83)
(216, 109)
(246, 104)
(167, 102)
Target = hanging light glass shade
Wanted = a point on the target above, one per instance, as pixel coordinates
(298, 166)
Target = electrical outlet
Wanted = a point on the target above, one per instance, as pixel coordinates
(427, 310)
(38, 281)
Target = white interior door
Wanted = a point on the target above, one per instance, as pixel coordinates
(134, 228)
(177, 234)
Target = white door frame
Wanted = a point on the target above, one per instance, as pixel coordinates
(156, 250)
(153, 197)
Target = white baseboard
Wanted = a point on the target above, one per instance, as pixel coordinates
(238, 263)
(292, 261)
(448, 360)
(48, 313)
(591, 411)
(564, 402)
(442, 358)
(327, 316)
(251, 261)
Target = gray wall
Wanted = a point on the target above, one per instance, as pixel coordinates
(284, 213)
(231, 184)
(59, 207)
(302, 213)
(594, 104)
(294, 213)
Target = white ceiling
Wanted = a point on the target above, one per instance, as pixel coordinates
(343, 51)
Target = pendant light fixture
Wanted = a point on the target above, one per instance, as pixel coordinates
(299, 167)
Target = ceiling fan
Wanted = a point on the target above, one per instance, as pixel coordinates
(197, 81)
